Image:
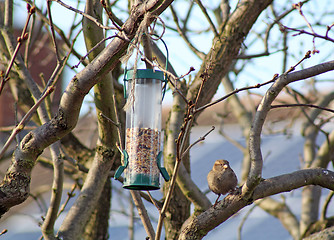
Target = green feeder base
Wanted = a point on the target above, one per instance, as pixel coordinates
(142, 182)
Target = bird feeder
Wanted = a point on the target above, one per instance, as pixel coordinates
(142, 154)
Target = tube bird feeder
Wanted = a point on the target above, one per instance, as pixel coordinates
(142, 153)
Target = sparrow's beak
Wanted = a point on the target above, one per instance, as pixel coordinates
(225, 166)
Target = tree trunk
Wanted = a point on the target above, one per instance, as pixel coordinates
(177, 213)
(179, 208)
(97, 226)
(310, 206)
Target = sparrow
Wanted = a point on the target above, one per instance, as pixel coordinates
(222, 179)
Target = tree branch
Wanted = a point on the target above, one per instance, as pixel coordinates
(57, 189)
(261, 114)
(287, 182)
(20, 40)
(214, 216)
(212, 26)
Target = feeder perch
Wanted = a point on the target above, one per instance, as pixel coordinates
(142, 154)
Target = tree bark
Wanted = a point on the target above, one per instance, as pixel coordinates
(179, 207)
(327, 233)
(311, 194)
(97, 226)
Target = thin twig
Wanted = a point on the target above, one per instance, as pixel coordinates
(298, 6)
(326, 204)
(302, 105)
(24, 120)
(91, 50)
(56, 73)
(197, 141)
(110, 120)
(300, 31)
(83, 14)
(198, 53)
(275, 77)
(310, 119)
(187, 17)
(70, 195)
(244, 220)
(267, 34)
(68, 43)
(10, 128)
(27, 45)
(328, 29)
(173, 79)
(212, 26)
(20, 40)
(180, 150)
(52, 30)
(154, 201)
(116, 21)
(188, 121)
(236, 91)
(167, 201)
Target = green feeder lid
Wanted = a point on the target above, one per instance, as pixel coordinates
(146, 73)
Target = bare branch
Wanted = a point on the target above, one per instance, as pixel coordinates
(301, 31)
(262, 111)
(24, 120)
(116, 22)
(212, 26)
(70, 195)
(20, 40)
(275, 77)
(143, 214)
(52, 30)
(200, 54)
(96, 21)
(197, 141)
(57, 189)
(198, 227)
(302, 105)
(287, 182)
(325, 208)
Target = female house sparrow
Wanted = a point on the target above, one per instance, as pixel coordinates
(221, 178)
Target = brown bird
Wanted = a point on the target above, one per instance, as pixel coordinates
(221, 178)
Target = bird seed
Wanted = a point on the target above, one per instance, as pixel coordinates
(142, 146)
